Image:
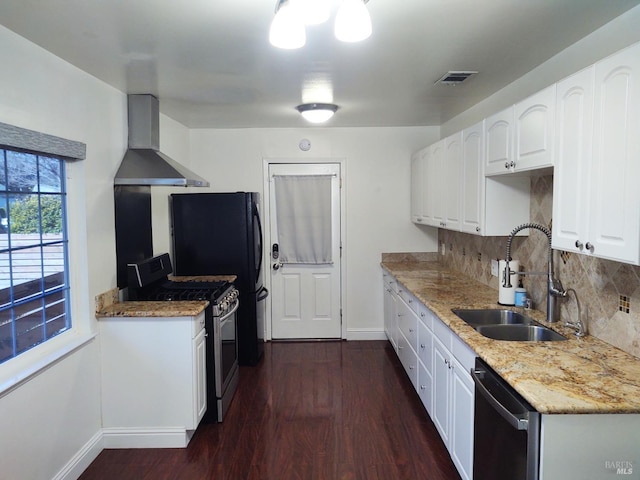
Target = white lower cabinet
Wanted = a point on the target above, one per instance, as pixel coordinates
(453, 396)
(425, 358)
(153, 380)
(438, 363)
(389, 296)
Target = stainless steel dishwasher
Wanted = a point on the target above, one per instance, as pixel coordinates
(506, 430)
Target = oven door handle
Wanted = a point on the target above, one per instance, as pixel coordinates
(230, 312)
(516, 422)
(262, 294)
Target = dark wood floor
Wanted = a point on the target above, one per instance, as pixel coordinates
(319, 410)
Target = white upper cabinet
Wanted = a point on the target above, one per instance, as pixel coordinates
(451, 185)
(498, 142)
(520, 138)
(435, 176)
(596, 197)
(472, 211)
(417, 162)
(534, 131)
(574, 111)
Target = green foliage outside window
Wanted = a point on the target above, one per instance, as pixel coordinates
(25, 214)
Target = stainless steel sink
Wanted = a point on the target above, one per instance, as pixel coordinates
(507, 325)
(492, 317)
(520, 333)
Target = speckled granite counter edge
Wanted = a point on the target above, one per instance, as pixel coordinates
(575, 376)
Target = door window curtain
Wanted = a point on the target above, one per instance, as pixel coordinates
(303, 218)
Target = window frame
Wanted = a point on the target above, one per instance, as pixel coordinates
(19, 369)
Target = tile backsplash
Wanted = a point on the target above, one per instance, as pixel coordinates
(609, 292)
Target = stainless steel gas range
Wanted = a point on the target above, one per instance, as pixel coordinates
(148, 280)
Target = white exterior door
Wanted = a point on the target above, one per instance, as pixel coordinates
(305, 292)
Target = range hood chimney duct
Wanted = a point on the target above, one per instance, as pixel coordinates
(143, 163)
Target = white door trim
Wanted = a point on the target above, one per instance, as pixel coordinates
(266, 218)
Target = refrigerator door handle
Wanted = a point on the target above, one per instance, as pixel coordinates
(262, 294)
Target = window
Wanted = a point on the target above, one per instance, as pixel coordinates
(34, 287)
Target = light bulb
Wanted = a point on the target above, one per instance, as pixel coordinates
(287, 29)
(353, 22)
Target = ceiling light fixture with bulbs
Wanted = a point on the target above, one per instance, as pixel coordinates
(317, 112)
(352, 22)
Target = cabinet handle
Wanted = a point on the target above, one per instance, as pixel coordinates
(477, 229)
(506, 165)
(423, 387)
(589, 246)
(512, 164)
(411, 367)
(422, 314)
(411, 330)
(422, 346)
(446, 362)
(410, 301)
(579, 244)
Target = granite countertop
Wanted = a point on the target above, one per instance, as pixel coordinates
(110, 309)
(580, 375)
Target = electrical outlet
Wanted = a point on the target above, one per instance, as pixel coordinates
(494, 267)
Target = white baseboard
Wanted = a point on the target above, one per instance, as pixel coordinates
(82, 459)
(366, 334)
(146, 437)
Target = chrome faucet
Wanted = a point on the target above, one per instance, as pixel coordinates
(554, 287)
(580, 326)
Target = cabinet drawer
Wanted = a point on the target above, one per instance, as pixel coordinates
(426, 316)
(425, 387)
(463, 353)
(408, 324)
(425, 346)
(197, 325)
(408, 298)
(442, 332)
(408, 359)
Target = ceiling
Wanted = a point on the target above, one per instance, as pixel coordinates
(211, 65)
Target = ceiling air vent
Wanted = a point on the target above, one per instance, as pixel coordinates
(455, 77)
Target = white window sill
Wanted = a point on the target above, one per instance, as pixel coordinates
(14, 377)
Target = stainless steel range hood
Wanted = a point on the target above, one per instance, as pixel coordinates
(143, 163)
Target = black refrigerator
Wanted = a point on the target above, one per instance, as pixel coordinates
(221, 234)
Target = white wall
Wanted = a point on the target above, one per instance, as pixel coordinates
(49, 419)
(377, 164)
(615, 35)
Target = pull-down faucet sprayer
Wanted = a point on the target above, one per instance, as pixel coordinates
(554, 287)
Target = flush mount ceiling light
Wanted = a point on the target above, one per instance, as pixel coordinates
(317, 112)
(352, 24)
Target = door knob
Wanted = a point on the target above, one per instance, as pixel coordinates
(277, 265)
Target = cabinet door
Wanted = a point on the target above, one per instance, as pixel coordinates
(571, 189)
(200, 377)
(462, 408)
(390, 319)
(416, 186)
(451, 181)
(473, 201)
(498, 142)
(441, 389)
(534, 131)
(435, 178)
(615, 197)
(425, 388)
